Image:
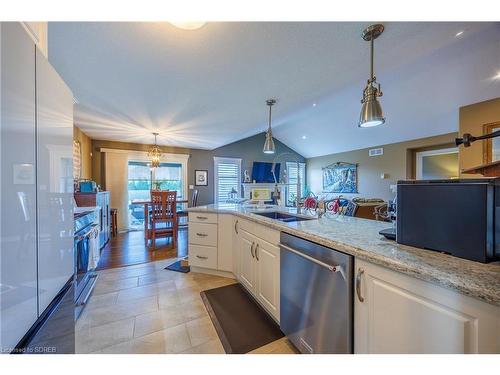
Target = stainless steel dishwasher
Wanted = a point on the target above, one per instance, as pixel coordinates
(316, 298)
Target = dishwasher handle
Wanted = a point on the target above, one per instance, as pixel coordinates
(331, 268)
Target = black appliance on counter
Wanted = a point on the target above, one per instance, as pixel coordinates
(455, 216)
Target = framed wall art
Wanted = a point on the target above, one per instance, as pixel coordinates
(201, 178)
(340, 178)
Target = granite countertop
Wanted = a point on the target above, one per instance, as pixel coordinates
(360, 238)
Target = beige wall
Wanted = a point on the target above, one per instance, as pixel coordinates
(397, 163)
(86, 147)
(472, 119)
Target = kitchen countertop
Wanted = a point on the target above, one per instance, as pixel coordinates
(360, 238)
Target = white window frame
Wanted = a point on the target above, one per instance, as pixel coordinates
(420, 157)
(218, 160)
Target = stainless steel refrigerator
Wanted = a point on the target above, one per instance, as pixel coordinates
(36, 190)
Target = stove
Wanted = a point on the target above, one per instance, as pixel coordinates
(86, 254)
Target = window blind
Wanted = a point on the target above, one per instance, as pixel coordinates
(292, 173)
(227, 177)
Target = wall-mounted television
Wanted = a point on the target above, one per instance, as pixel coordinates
(262, 172)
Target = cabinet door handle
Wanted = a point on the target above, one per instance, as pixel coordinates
(200, 257)
(257, 251)
(358, 284)
(236, 226)
(201, 234)
(201, 217)
(251, 249)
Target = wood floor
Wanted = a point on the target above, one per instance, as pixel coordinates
(129, 248)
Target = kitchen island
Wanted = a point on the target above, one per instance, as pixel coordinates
(408, 299)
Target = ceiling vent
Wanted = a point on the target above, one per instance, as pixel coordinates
(376, 151)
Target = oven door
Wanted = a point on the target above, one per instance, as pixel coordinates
(82, 259)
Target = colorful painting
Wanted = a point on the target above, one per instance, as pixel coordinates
(340, 178)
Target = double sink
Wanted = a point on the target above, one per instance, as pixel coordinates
(281, 216)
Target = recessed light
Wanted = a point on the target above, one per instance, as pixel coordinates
(314, 104)
(459, 33)
(304, 137)
(497, 76)
(190, 25)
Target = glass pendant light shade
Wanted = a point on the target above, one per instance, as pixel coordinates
(269, 147)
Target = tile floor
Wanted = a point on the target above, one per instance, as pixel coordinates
(146, 309)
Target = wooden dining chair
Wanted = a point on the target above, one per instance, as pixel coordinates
(163, 216)
(184, 213)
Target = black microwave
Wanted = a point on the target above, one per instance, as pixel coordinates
(456, 216)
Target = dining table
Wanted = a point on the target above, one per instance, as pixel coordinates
(147, 203)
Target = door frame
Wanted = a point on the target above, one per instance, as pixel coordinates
(421, 154)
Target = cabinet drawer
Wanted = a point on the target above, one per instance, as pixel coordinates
(202, 217)
(203, 256)
(202, 234)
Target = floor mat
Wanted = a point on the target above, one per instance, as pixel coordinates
(242, 325)
(178, 268)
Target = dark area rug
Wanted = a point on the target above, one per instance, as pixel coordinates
(178, 268)
(242, 325)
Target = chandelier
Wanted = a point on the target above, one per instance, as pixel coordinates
(154, 154)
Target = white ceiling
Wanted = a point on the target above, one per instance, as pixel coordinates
(206, 88)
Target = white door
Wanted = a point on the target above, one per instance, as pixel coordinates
(268, 276)
(437, 164)
(400, 314)
(247, 260)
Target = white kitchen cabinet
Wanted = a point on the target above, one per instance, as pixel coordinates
(18, 253)
(268, 276)
(54, 182)
(225, 243)
(38, 32)
(246, 244)
(235, 245)
(259, 270)
(395, 313)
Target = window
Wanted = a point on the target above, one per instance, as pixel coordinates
(227, 173)
(168, 176)
(292, 173)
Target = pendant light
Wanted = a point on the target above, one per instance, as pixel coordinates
(371, 111)
(269, 147)
(155, 154)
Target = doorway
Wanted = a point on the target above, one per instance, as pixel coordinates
(437, 164)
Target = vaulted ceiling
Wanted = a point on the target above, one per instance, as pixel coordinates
(205, 88)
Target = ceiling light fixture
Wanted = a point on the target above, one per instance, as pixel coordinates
(269, 147)
(192, 25)
(304, 137)
(371, 111)
(154, 154)
(459, 33)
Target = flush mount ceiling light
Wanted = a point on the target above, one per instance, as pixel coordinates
(371, 111)
(269, 147)
(154, 154)
(188, 25)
